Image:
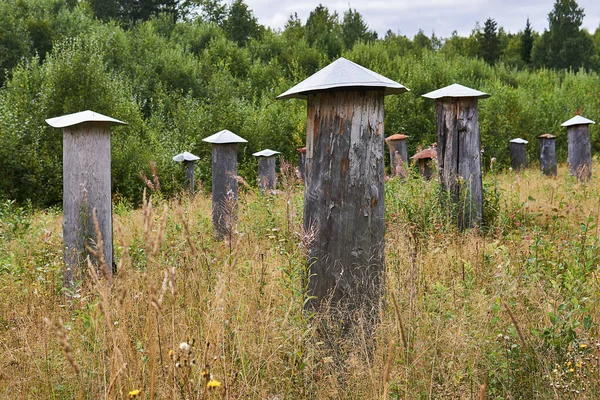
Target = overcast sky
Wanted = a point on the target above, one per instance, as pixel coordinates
(439, 16)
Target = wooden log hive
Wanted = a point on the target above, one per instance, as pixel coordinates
(459, 150)
(189, 160)
(518, 154)
(580, 148)
(425, 160)
(398, 154)
(86, 192)
(344, 192)
(267, 175)
(224, 181)
(548, 154)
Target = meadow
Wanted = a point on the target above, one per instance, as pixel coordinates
(506, 311)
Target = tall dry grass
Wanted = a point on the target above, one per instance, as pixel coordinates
(506, 311)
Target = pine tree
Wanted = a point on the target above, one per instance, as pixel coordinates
(490, 44)
(527, 43)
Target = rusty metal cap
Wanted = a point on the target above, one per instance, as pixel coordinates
(223, 137)
(343, 73)
(80, 118)
(397, 136)
(577, 120)
(301, 150)
(547, 136)
(427, 153)
(456, 90)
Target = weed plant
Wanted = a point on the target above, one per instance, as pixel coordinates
(505, 311)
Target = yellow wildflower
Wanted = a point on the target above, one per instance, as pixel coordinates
(213, 383)
(134, 393)
(571, 370)
(583, 346)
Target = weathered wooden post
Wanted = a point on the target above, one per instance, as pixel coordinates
(398, 154)
(224, 181)
(344, 192)
(518, 153)
(548, 154)
(302, 162)
(267, 176)
(189, 160)
(459, 149)
(424, 160)
(86, 191)
(580, 148)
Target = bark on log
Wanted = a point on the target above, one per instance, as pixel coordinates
(398, 157)
(518, 156)
(86, 187)
(189, 175)
(459, 157)
(580, 152)
(267, 175)
(344, 200)
(302, 163)
(548, 156)
(224, 189)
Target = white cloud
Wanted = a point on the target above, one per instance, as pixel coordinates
(441, 16)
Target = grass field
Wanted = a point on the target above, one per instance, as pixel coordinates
(510, 311)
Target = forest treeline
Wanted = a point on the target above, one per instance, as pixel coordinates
(179, 71)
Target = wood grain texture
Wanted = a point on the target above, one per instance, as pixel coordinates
(548, 156)
(224, 188)
(518, 156)
(580, 152)
(267, 175)
(86, 186)
(459, 157)
(344, 199)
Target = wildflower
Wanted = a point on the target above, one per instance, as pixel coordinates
(213, 383)
(134, 393)
(183, 346)
(583, 346)
(571, 370)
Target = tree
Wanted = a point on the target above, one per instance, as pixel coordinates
(213, 11)
(354, 29)
(490, 43)
(527, 43)
(131, 11)
(422, 41)
(241, 24)
(566, 44)
(323, 31)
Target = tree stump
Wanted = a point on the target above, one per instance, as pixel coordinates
(398, 155)
(580, 148)
(86, 192)
(459, 150)
(224, 182)
(344, 211)
(548, 154)
(518, 154)
(267, 175)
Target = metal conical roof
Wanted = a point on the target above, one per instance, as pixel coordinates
(577, 120)
(455, 90)
(224, 137)
(81, 117)
(185, 156)
(519, 140)
(343, 73)
(266, 153)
